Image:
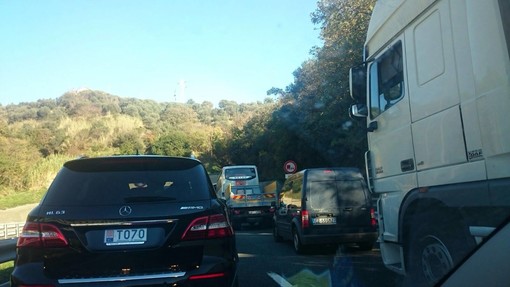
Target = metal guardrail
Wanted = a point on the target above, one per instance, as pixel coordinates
(8, 237)
(11, 230)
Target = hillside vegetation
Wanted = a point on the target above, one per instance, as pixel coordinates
(37, 138)
(307, 121)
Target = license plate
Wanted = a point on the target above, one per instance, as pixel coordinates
(324, 220)
(131, 236)
(254, 212)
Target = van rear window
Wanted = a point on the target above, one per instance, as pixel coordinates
(334, 194)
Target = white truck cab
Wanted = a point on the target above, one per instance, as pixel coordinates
(435, 91)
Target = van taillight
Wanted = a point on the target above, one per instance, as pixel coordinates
(305, 222)
(207, 227)
(41, 235)
(373, 220)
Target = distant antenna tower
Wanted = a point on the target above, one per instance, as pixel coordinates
(181, 85)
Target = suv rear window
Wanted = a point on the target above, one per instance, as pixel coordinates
(102, 182)
(332, 194)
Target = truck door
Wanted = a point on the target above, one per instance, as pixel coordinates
(390, 160)
(437, 116)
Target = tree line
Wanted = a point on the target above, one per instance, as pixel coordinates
(308, 121)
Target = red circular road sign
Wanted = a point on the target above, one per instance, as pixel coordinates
(290, 166)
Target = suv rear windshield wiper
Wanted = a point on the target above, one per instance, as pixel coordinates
(148, 198)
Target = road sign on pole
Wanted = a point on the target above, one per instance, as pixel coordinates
(290, 166)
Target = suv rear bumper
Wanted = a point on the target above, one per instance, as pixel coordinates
(219, 273)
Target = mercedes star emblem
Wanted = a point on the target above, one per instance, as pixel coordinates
(125, 210)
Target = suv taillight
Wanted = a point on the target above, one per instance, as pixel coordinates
(208, 227)
(41, 235)
(305, 222)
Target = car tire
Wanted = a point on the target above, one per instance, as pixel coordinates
(298, 244)
(276, 236)
(435, 249)
(236, 282)
(365, 246)
(236, 225)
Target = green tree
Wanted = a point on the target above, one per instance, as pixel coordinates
(175, 143)
(129, 143)
(313, 119)
(16, 159)
(178, 115)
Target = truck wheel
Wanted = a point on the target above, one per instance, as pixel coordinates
(435, 249)
(298, 245)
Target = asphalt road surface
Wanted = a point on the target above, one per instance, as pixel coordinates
(264, 262)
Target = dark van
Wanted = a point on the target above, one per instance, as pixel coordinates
(325, 206)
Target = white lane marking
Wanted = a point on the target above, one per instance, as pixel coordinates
(279, 279)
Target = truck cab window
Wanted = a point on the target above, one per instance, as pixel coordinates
(386, 81)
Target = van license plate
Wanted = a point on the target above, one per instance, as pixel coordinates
(324, 220)
(254, 212)
(131, 236)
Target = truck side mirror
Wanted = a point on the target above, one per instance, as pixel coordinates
(358, 83)
(358, 110)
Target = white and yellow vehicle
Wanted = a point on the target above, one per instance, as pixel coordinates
(435, 91)
(239, 186)
(236, 175)
(250, 204)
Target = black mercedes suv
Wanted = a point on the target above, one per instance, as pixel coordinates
(128, 221)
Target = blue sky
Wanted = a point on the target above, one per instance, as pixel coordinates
(165, 50)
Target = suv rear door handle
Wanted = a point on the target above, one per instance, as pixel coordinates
(348, 209)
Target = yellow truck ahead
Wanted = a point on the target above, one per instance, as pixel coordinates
(249, 204)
